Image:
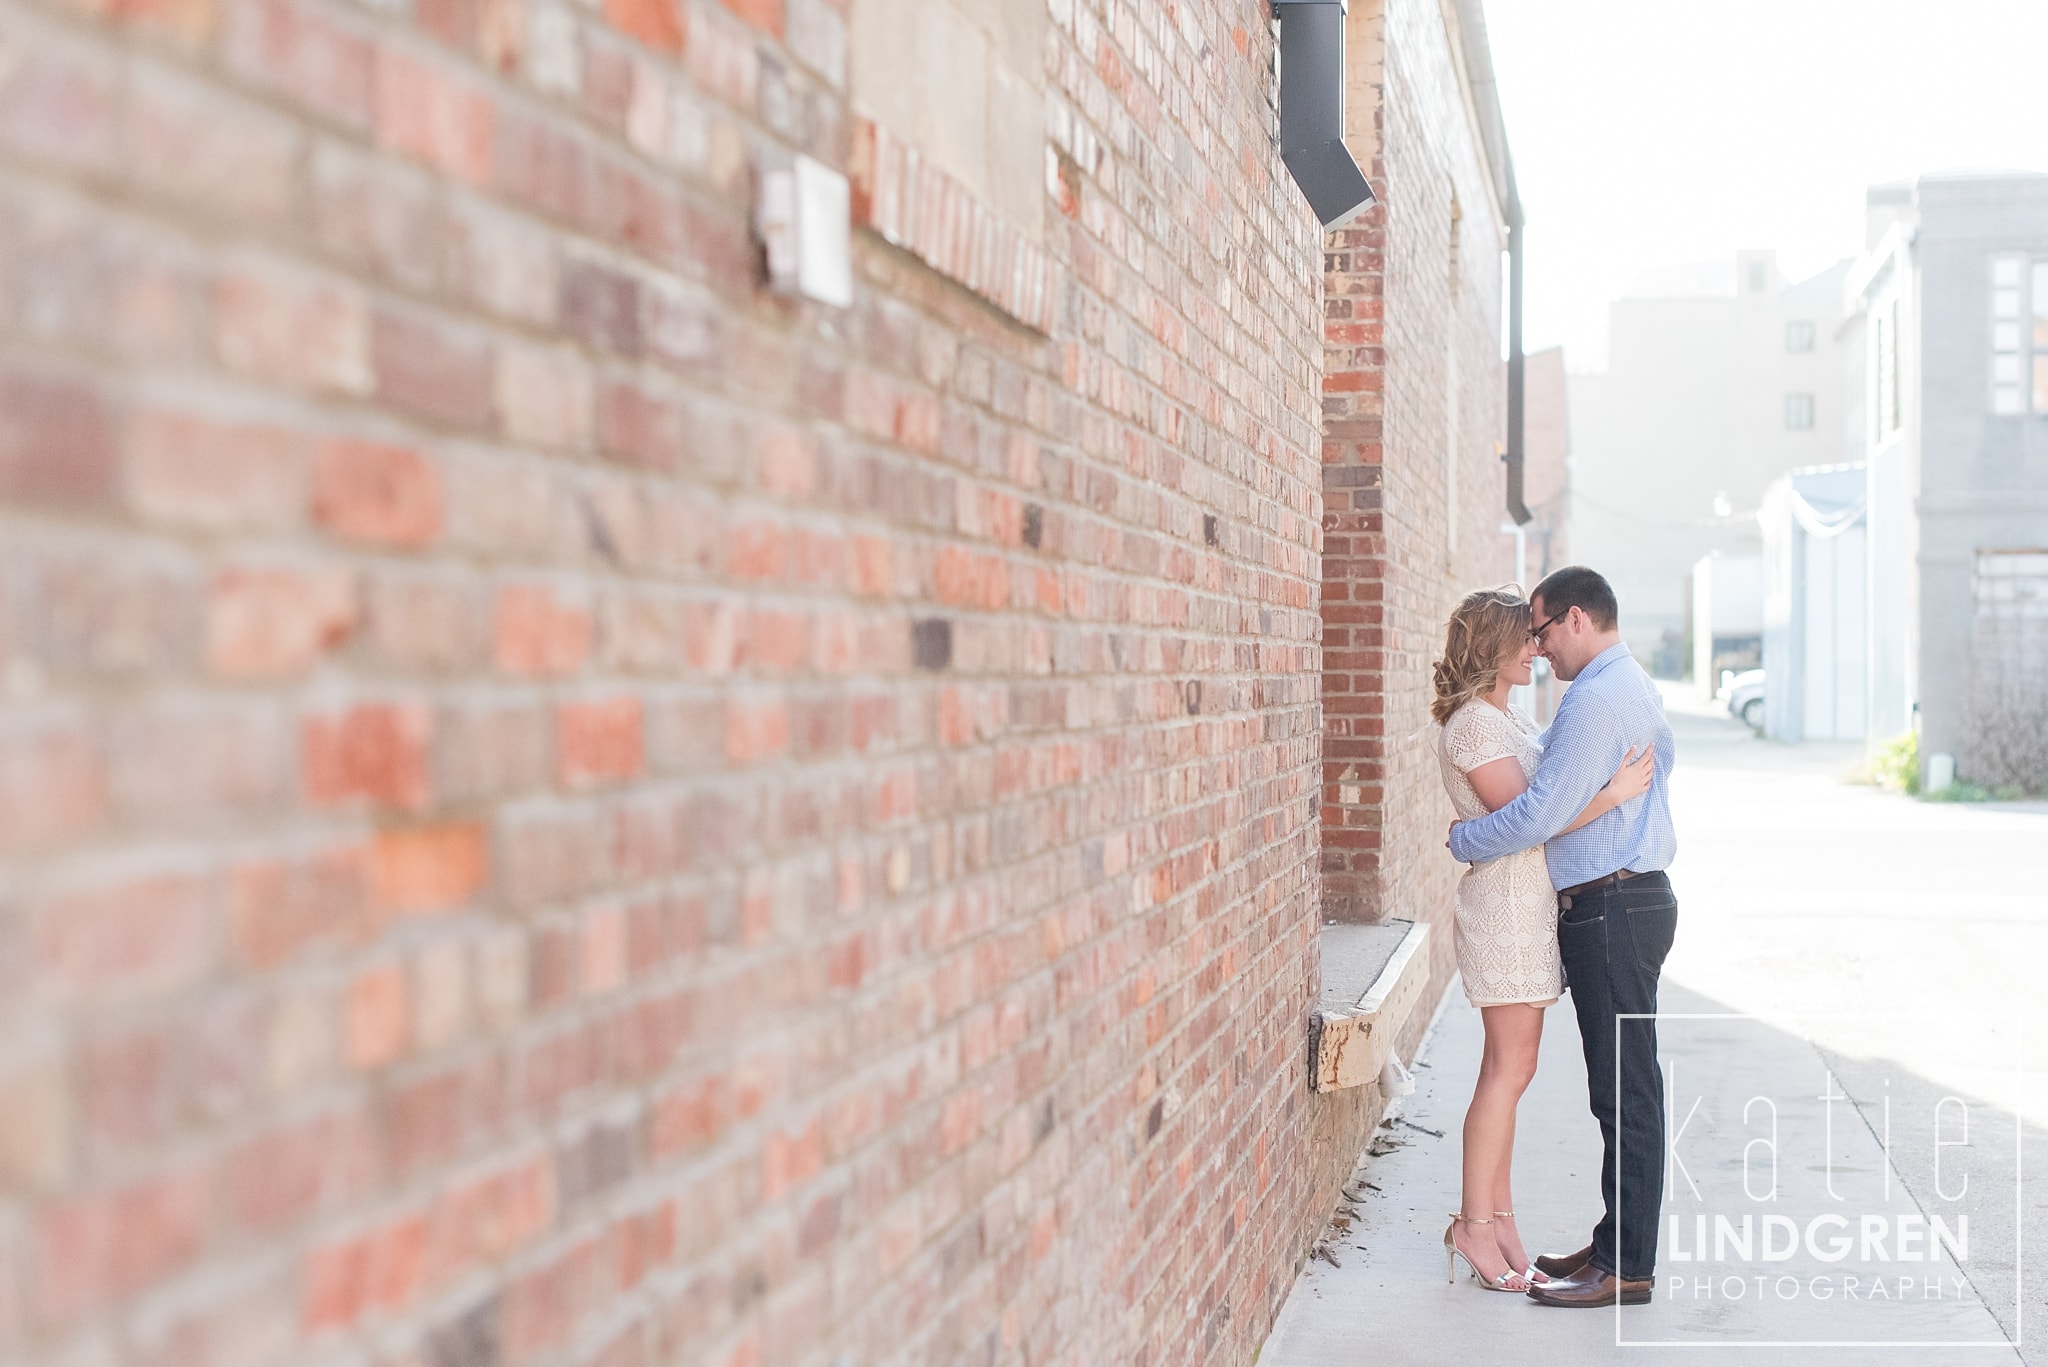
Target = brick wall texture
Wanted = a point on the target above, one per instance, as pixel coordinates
(559, 807)
(1414, 414)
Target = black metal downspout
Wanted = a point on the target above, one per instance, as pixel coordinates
(1312, 111)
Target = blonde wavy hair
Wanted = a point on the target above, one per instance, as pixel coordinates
(1487, 628)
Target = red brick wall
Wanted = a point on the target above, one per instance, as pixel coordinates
(1404, 536)
(557, 807)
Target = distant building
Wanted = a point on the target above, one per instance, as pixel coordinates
(1721, 378)
(1546, 478)
(1947, 337)
(1815, 604)
(1727, 622)
(1543, 543)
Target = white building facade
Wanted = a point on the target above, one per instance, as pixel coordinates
(1721, 378)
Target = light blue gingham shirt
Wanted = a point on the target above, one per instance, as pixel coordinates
(1611, 706)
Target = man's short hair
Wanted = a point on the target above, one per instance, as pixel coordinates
(1575, 586)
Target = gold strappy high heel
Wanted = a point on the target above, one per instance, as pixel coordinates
(1507, 1281)
(1529, 1273)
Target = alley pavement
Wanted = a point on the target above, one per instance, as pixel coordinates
(1846, 1008)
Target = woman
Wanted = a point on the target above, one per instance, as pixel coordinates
(1506, 912)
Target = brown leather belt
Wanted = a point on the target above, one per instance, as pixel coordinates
(1615, 879)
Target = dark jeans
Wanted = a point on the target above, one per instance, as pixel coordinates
(1613, 942)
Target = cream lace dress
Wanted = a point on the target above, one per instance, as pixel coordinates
(1507, 913)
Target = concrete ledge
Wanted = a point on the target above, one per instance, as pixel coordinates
(1352, 1034)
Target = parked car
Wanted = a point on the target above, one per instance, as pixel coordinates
(1746, 698)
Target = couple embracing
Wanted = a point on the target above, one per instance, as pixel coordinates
(1567, 833)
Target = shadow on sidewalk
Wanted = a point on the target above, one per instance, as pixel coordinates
(1374, 1290)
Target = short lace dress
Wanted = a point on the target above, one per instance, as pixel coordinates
(1506, 912)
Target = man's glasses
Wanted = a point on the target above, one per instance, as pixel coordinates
(1537, 634)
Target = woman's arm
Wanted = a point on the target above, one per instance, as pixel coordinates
(1499, 782)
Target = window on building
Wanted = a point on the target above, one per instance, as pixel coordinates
(2005, 335)
(2038, 302)
(1799, 412)
(1799, 336)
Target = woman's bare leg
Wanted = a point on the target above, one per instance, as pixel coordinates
(1505, 1232)
(1505, 1067)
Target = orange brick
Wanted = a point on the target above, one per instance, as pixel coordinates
(375, 753)
(377, 1023)
(380, 1269)
(276, 622)
(430, 868)
(372, 491)
(758, 550)
(279, 908)
(791, 1160)
(657, 23)
(766, 15)
(599, 742)
(538, 633)
(430, 115)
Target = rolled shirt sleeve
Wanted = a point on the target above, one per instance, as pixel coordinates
(1581, 752)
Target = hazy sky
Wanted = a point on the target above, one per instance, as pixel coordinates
(1653, 132)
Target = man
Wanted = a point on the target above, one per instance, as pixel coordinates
(1616, 919)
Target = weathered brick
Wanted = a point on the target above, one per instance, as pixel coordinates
(378, 1023)
(545, 397)
(601, 306)
(374, 491)
(426, 112)
(299, 331)
(223, 157)
(35, 1120)
(62, 102)
(599, 741)
(375, 753)
(190, 470)
(149, 933)
(57, 441)
(304, 52)
(434, 372)
(53, 782)
(538, 633)
(278, 907)
(278, 621)
(94, 1248)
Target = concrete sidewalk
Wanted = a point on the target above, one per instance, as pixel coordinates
(1385, 1300)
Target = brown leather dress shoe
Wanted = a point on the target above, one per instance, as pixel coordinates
(1564, 1265)
(1598, 1289)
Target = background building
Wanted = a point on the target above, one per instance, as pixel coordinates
(1949, 335)
(1721, 377)
(1816, 604)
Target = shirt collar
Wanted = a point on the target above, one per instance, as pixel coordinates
(1619, 650)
